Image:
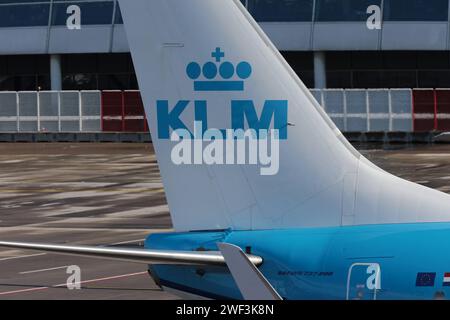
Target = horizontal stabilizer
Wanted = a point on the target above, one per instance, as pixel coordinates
(132, 255)
(250, 281)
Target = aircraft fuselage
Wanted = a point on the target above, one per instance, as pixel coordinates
(394, 261)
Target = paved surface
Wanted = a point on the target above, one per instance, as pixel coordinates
(428, 165)
(78, 194)
(112, 194)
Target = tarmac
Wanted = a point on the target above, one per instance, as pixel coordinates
(112, 194)
(92, 194)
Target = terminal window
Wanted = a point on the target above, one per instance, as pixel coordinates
(415, 10)
(24, 15)
(281, 10)
(98, 12)
(343, 10)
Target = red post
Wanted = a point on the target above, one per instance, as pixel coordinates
(435, 110)
(101, 110)
(123, 111)
(413, 111)
(146, 129)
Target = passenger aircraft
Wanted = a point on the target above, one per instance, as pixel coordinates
(328, 225)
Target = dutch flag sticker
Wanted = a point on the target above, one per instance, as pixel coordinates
(446, 281)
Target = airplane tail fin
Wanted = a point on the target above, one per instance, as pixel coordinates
(207, 72)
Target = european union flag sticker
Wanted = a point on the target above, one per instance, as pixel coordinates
(425, 279)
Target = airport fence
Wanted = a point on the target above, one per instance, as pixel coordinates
(353, 110)
(372, 110)
(50, 111)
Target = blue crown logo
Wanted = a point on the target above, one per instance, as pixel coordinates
(226, 70)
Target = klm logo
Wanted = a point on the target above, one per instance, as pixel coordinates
(222, 77)
(228, 73)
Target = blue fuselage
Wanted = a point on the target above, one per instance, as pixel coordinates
(401, 261)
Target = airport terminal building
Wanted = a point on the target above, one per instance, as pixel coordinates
(373, 64)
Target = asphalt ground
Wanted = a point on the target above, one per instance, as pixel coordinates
(92, 194)
(112, 194)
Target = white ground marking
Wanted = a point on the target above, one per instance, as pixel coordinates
(83, 194)
(50, 204)
(81, 282)
(156, 210)
(11, 161)
(72, 209)
(434, 155)
(125, 242)
(43, 270)
(20, 257)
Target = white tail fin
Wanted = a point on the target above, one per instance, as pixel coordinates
(208, 61)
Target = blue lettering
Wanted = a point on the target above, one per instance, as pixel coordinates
(201, 114)
(241, 111)
(245, 109)
(167, 120)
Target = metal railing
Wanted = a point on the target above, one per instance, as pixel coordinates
(50, 111)
(371, 110)
(354, 110)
